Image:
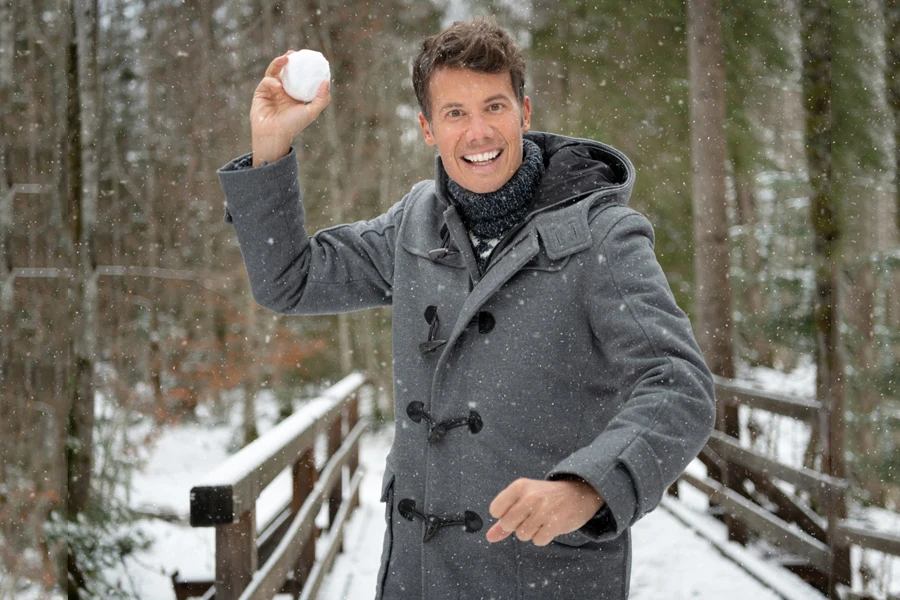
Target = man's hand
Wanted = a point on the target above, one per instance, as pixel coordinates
(276, 118)
(539, 510)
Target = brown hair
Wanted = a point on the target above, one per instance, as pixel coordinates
(480, 45)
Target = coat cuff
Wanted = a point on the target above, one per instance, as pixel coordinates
(618, 491)
(242, 182)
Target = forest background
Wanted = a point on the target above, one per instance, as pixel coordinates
(123, 296)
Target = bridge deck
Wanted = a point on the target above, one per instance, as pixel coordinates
(669, 559)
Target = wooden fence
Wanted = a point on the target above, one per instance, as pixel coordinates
(282, 558)
(807, 524)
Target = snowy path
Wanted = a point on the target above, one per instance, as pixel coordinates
(669, 560)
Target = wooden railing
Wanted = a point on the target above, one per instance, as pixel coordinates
(812, 529)
(282, 558)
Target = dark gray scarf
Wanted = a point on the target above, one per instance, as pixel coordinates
(489, 216)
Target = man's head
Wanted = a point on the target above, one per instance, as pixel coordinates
(470, 84)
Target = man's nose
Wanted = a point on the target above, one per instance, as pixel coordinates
(478, 129)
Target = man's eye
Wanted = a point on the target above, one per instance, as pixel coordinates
(454, 113)
(495, 107)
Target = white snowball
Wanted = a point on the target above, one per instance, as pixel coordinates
(304, 72)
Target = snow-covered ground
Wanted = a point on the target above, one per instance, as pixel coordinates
(670, 558)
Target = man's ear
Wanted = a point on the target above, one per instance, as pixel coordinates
(426, 130)
(526, 114)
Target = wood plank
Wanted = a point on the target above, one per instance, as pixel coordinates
(304, 478)
(336, 539)
(334, 443)
(236, 556)
(233, 487)
(271, 577)
(820, 485)
(271, 533)
(790, 406)
(774, 529)
(789, 509)
(353, 410)
(866, 537)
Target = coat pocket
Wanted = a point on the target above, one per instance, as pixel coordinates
(595, 571)
(387, 496)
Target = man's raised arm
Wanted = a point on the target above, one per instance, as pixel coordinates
(340, 269)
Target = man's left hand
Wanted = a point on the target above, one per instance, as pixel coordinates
(538, 511)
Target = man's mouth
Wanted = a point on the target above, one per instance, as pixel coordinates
(482, 158)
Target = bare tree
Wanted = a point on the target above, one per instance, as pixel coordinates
(863, 174)
(824, 214)
(711, 251)
(83, 190)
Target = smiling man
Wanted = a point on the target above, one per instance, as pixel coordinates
(547, 387)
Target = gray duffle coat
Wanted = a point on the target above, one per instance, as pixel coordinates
(568, 356)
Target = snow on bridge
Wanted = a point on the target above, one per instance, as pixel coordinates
(670, 560)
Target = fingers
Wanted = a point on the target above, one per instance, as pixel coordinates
(505, 499)
(515, 517)
(497, 534)
(322, 99)
(274, 69)
(543, 537)
(270, 83)
(528, 530)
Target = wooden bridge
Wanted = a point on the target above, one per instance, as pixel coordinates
(799, 510)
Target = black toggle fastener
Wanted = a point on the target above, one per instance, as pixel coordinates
(433, 523)
(432, 344)
(415, 410)
(486, 321)
(444, 250)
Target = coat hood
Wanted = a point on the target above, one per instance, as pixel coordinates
(574, 169)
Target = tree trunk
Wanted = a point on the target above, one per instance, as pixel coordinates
(892, 76)
(7, 37)
(816, 38)
(249, 430)
(708, 154)
(745, 196)
(155, 359)
(84, 191)
(550, 65)
(817, 90)
(864, 163)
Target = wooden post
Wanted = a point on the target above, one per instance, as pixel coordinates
(236, 556)
(840, 571)
(335, 436)
(304, 473)
(353, 459)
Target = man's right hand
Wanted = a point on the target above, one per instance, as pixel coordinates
(276, 118)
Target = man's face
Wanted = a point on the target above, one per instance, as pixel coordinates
(477, 125)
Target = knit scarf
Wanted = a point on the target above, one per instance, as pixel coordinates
(489, 216)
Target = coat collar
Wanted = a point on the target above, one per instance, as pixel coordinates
(581, 176)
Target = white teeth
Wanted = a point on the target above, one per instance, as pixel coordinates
(483, 157)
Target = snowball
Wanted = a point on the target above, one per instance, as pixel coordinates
(304, 72)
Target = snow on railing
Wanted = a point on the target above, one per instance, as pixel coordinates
(226, 499)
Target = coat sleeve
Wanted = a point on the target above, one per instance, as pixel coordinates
(340, 269)
(645, 343)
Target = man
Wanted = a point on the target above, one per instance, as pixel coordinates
(547, 388)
